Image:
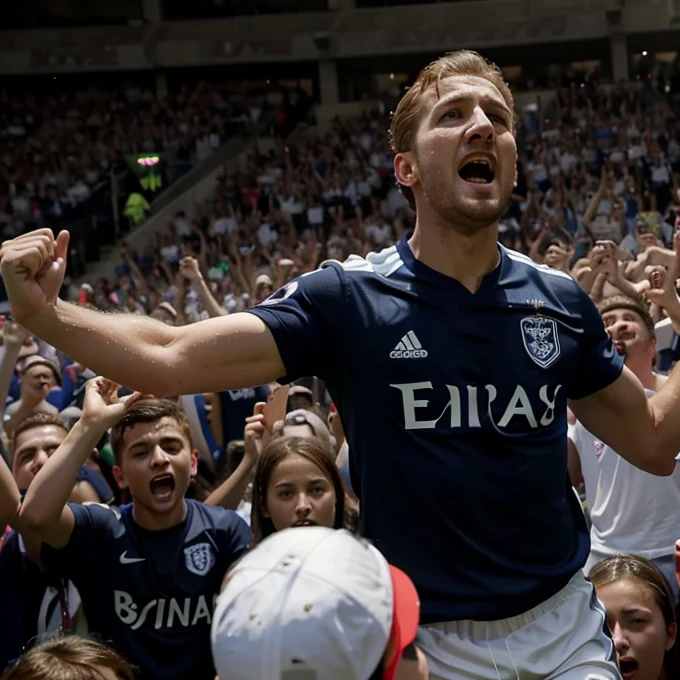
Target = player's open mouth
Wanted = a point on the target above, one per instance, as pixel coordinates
(305, 523)
(162, 487)
(477, 170)
(628, 667)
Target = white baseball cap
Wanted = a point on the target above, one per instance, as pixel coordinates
(313, 603)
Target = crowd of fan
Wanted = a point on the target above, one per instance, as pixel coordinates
(605, 169)
(57, 147)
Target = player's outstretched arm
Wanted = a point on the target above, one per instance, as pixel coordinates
(10, 500)
(646, 432)
(45, 511)
(228, 352)
(225, 353)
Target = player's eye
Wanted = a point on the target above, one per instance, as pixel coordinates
(285, 494)
(318, 490)
(451, 114)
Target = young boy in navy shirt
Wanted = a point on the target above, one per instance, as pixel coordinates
(149, 577)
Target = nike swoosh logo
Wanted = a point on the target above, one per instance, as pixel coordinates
(124, 559)
(608, 353)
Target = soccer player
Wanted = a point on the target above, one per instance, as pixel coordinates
(451, 360)
(149, 576)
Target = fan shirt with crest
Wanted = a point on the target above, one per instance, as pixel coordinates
(454, 408)
(152, 593)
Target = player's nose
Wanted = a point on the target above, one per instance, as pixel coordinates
(481, 128)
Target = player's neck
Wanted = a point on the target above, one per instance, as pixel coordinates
(468, 258)
(154, 521)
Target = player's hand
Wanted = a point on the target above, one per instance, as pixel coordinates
(33, 267)
(189, 269)
(254, 431)
(102, 406)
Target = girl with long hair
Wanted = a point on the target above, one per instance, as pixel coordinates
(641, 616)
(297, 483)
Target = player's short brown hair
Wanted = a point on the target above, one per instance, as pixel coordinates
(147, 411)
(407, 115)
(69, 658)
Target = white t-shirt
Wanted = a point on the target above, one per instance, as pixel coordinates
(631, 511)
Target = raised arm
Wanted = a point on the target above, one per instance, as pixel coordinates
(228, 352)
(45, 511)
(646, 432)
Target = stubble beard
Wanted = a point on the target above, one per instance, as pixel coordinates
(466, 214)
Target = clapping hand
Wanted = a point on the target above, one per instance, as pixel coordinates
(662, 291)
(102, 406)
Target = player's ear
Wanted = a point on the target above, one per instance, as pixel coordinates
(194, 462)
(405, 169)
(119, 477)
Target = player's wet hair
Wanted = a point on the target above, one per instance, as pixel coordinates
(346, 515)
(648, 576)
(406, 117)
(147, 411)
(69, 658)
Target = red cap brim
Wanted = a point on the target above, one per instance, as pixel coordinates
(405, 618)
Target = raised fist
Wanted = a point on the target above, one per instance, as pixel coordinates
(33, 267)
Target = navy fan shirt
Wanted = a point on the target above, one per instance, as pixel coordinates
(454, 408)
(152, 593)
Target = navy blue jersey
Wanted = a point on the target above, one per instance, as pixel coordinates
(454, 407)
(22, 592)
(151, 593)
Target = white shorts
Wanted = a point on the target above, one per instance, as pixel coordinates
(563, 638)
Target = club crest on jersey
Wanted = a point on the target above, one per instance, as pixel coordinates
(199, 559)
(540, 339)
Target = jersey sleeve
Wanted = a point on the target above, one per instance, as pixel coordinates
(599, 364)
(302, 316)
(235, 536)
(95, 525)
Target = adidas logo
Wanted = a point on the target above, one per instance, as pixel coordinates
(408, 347)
